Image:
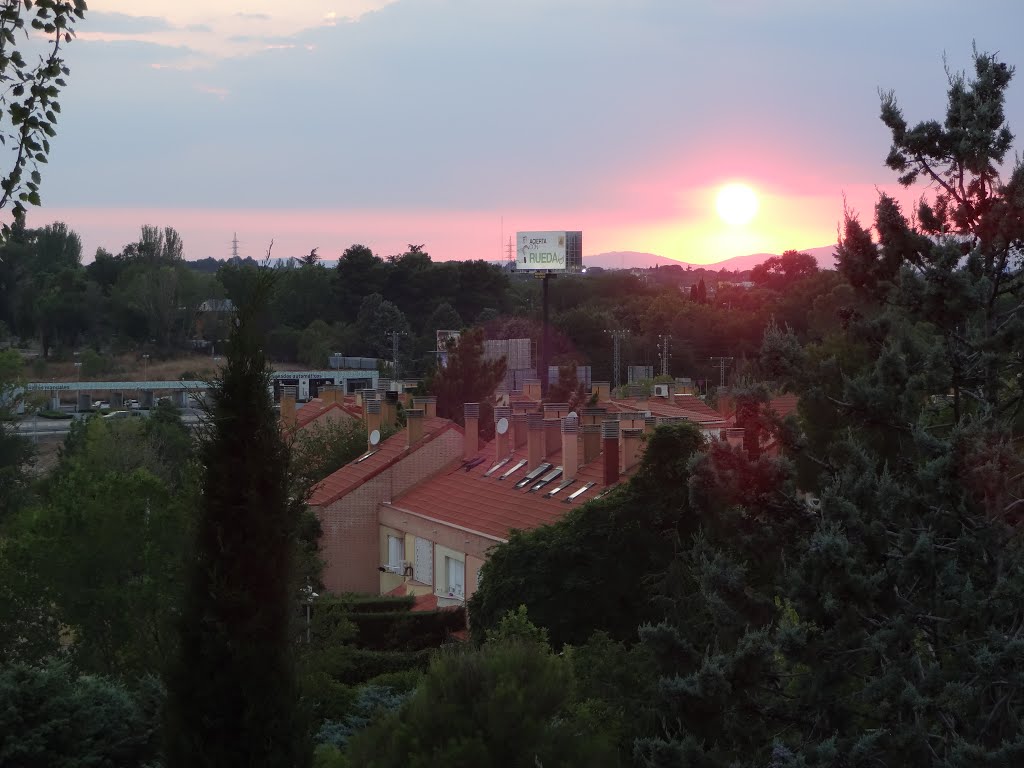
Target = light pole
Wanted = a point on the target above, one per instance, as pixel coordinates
(145, 367)
(78, 379)
(310, 596)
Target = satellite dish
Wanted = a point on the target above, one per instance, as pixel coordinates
(502, 425)
(375, 437)
(573, 415)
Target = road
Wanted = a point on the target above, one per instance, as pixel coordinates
(41, 426)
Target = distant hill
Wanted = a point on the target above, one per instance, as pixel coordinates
(636, 260)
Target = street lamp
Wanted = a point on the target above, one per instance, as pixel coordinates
(78, 378)
(145, 367)
(310, 596)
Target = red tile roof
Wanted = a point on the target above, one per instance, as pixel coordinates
(354, 474)
(688, 407)
(784, 405)
(493, 507)
(317, 407)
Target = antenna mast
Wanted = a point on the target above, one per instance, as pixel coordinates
(234, 246)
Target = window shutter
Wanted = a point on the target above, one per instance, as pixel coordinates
(423, 565)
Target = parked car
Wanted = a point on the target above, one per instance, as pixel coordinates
(121, 414)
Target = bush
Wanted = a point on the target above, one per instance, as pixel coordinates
(407, 630)
(94, 364)
(365, 665)
(401, 682)
(48, 414)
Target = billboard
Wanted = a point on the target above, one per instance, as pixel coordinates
(540, 251)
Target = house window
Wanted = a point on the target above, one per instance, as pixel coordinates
(396, 553)
(455, 571)
(423, 563)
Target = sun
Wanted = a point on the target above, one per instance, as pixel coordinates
(736, 204)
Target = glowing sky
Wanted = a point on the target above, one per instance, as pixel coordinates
(453, 123)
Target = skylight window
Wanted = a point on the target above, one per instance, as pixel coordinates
(578, 492)
(534, 474)
(561, 487)
(554, 473)
(516, 468)
(497, 466)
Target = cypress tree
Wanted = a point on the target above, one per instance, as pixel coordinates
(232, 696)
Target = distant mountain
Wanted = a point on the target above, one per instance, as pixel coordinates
(636, 260)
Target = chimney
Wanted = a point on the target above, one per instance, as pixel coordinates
(519, 425)
(552, 437)
(389, 409)
(671, 393)
(570, 448)
(650, 422)
(502, 442)
(430, 406)
(610, 444)
(594, 415)
(288, 406)
(372, 408)
(534, 441)
(632, 442)
(414, 425)
(602, 389)
(471, 434)
(366, 396)
(531, 389)
(591, 442)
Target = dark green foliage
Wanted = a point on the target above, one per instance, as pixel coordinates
(508, 704)
(52, 718)
(232, 695)
(407, 630)
(468, 378)
(582, 573)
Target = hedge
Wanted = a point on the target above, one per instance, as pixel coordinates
(407, 630)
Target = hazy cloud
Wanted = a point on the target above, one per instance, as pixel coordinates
(253, 16)
(123, 23)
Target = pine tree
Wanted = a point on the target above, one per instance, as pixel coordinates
(232, 697)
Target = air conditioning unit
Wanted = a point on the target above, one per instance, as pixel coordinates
(661, 390)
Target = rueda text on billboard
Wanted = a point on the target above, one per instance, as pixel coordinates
(541, 251)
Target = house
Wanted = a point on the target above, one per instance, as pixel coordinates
(346, 502)
(434, 536)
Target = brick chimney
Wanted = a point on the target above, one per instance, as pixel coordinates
(552, 436)
(594, 415)
(570, 448)
(591, 442)
(502, 442)
(671, 393)
(414, 425)
(519, 426)
(430, 406)
(632, 448)
(471, 430)
(610, 446)
(531, 389)
(534, 441)
(367, 396)
(650, 422)
(288, 406)
(372, 408)
(389, 409)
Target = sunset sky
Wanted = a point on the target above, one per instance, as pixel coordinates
(453, 123)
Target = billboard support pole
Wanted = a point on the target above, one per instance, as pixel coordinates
(545, 347)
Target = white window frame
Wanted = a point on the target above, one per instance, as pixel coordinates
(452, 586)
(396, 546)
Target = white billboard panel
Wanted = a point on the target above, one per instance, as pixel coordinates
(540, 251)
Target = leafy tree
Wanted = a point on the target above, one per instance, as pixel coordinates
(322, 449)
(552, 570)
(467, 378)
(232, 694)
(51, 717)
(30, 100)
(378, 318)
(359, 274)
(508, 703)
(16, 453)
(781, 272)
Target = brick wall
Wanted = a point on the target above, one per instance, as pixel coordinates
(351, 536)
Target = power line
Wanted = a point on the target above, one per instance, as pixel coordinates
(722, 362)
